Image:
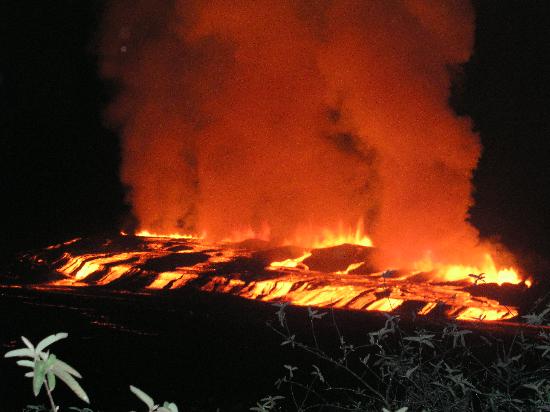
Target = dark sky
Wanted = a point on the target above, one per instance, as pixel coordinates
(60, 161)
(507, 93)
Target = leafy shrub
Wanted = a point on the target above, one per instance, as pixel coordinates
(46, 368)
(449, 369)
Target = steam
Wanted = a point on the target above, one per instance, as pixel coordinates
(287, 116)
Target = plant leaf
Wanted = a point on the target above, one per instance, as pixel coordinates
(143, 396)
(20, 353)
(317, 372)
(60, 365)
(411, 371)
(26, 363)
(72, 384)
(170, 406)
(44, 343)
(38, 377)
(27, 343)
(50, 361)
(51, 380)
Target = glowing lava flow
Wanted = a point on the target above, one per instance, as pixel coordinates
(137, 263)
(146, 233)
(291, 263)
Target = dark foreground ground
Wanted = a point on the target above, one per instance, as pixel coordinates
(203, 351)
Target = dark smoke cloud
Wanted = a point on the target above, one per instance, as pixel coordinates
(296, 116)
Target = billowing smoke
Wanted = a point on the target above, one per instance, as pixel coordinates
(294, 116)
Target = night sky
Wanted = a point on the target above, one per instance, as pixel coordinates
(61, 160)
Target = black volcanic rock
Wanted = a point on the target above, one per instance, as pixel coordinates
(139, 280)
(506, 293)
(338, 258)
(27, 271)
(173, 261)
(252, 244)
(278, 254)
(246, 267)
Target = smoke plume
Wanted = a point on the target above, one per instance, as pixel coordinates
(285, 118)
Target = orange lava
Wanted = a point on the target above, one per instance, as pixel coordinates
(146, 233)
(291, 279)
(290, 263)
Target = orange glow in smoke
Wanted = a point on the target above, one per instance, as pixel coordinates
(313, 238)
(325, 237)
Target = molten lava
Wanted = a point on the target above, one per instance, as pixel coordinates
(154, 262)
(291, 263)
(146, 233)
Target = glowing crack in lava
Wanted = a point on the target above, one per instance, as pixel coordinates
(319, 277)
